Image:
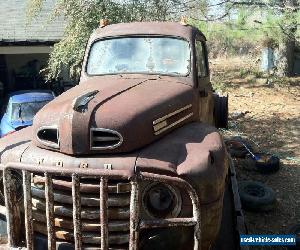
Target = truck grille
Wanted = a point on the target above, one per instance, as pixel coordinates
(118, 210)
(62, 204)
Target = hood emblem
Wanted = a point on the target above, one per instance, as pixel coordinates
(79, 104)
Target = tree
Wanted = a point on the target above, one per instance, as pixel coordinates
(285, 16)
(83, 17)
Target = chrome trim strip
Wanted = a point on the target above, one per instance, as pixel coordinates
(105, 130)
(49, 144)
(172, 114)
(174, 123)
(160, 125)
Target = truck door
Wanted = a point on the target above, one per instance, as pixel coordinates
(204, 87)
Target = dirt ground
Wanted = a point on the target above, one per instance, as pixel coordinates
(265, 111)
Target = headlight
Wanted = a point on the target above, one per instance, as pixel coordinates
(162, 201)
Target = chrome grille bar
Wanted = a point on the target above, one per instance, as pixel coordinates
(13, 216)
(28, 209)
(134, 216)
(103, 213)
(136, 223)
(50, 211)
(76, 211)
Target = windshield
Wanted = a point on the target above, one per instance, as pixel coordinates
(26, 111)
(150, 55)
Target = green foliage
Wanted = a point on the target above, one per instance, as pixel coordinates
(219, 85)
(249, 27)
(244, 72)
(33, 7)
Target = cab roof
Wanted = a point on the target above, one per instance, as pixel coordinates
(31, 95)
(148, 28)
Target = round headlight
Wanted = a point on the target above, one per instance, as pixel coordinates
(162, 201)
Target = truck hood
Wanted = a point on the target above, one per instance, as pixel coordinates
(114, 114)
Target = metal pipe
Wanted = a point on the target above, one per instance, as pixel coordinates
(171, 222)
(134, 216)
(50, 212)
(28, 209)
(76, 211)
(12, 209)
(113, 174)
(103, 213)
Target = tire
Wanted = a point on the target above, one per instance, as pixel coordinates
(221, 111)
(236, 147)
(295, 230)
(267, 163)
(255, 196)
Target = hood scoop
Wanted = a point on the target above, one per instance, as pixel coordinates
(48, 136)
(102, 139)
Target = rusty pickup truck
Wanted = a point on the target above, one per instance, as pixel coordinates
(131, 157)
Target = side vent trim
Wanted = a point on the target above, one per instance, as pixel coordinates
(103, 139)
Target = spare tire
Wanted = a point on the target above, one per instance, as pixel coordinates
(221, 111)
(256, 196)
(267, 163)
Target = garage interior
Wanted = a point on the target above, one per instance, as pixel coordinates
(20, 67)
(25, 46)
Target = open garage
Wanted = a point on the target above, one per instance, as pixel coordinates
(25, 45)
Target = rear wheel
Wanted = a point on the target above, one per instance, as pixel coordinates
(221, 111)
